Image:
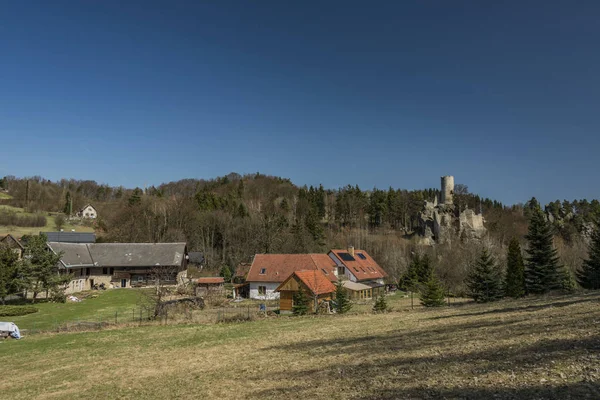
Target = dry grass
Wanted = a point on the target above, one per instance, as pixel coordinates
(532, 349)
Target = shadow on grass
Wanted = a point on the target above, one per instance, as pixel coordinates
(510, 354)
(526, 308)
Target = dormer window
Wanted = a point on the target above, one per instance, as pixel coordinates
(263, 271)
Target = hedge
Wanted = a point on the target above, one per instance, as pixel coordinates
(15, 311)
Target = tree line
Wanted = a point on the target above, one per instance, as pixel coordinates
(233, 217)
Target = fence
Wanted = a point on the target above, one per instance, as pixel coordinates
(141, 315)
(145, 316)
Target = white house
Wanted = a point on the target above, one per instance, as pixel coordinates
(268, 271)
(88, 212)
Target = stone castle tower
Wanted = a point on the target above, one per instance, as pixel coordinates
(447, 190)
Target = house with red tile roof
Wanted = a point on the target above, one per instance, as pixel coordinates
(268, 271)
(361, 274)
(317, 286)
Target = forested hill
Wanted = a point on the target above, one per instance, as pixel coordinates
(231, 218)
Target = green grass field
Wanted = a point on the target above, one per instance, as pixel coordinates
(535, 348)
(101, 308)
(19, 231)
(5, 196)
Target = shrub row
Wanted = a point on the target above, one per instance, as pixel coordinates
(13, 219)
(15, 311)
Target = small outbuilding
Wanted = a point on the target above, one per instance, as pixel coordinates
(314, 283)
(210, 286)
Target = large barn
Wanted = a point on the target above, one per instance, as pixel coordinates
(119, 265)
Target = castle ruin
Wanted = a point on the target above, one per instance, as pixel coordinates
(441, 221)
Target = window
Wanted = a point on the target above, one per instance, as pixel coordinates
(262, 290)
(341, 270)
(112, 271)
(87, 271)
(104, 271)
(361, 256)
(324, 271)
(346, 257)
(263, 271)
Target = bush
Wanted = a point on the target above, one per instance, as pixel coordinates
(10, 218)
(16, 311)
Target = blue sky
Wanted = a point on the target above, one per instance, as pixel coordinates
(505, 97)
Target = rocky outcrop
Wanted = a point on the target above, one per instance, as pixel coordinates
(442, 222)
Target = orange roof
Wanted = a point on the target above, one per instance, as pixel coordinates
(216, 279)
(362, 268)
(314, 280)
(242, 270)
(278, 267)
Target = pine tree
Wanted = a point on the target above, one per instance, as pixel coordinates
(542, 271)
(433, 293)
(225, 273)
(342, 303)
(515, 269)
(68, 208)
(418, 273)
(380, 304)
(10, 281)
(589, 275)
(300, 306)
(485, 280)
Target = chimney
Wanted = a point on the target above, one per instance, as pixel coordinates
(351, 250)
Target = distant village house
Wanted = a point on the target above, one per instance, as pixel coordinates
(88, 212)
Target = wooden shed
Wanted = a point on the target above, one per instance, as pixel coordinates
(313, 282)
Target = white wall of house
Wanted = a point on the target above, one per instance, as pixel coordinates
(270, 287)
(89, 212)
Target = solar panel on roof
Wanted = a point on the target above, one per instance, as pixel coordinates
(347, 257)
(362, 256)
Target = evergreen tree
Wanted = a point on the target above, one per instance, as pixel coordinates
(380, 304)
(589, 275)
(485, 280)
(433, 293)
(68, 208)
(10, 281)
(542, 271)
(40, 267)
(418, 273)
(226, 273)
(515, 269)
(136, 197)
(342, 303)
(300, 306)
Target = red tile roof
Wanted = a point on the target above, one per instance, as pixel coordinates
(242, 270)
(208, 280)
(278, 267)
(362, 269)
(315, 281)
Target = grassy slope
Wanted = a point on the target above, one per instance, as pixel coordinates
(19, 231)
(5, 196)
(91, 309)
(534, 348)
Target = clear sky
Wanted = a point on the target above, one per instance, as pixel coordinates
(505, 97)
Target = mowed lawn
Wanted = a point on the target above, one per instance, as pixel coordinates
(529, 349)
(101, 308)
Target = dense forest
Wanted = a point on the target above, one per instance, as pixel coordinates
(231, 218)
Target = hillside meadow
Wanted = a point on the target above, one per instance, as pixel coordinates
(533, 348)
(19, 231)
